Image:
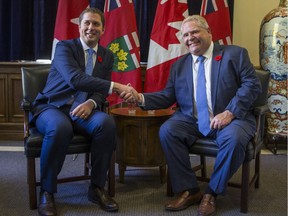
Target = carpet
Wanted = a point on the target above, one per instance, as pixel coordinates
(141, 193)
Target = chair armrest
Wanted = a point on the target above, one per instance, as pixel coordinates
(260, 110)
(26, 105)
(106, 103)
(106, 107)
(259, 113)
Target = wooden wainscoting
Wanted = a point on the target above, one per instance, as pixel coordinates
(11, 115)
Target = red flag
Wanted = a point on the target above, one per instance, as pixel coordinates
(165, 43)
(67, 20)
(121, 37)
(216, 13)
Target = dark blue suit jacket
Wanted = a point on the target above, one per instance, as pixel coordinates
(234, 84)
(67, 76)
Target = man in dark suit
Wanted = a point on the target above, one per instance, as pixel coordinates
(229, 92)
(71, 101)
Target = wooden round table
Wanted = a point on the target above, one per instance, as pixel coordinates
(138, 139)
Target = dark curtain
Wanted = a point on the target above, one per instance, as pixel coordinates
(27, 26)
(16, 42)
(43, 32)
(145, 12)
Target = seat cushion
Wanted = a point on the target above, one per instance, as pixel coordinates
(33, 144)
(208, 147)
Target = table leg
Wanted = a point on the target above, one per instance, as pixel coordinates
(162, 170)
(122, 169)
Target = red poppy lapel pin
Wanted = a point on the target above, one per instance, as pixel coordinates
(218, 57)
(99, 58)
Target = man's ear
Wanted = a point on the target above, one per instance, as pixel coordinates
(209, 30)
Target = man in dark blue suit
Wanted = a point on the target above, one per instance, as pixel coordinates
(229, 92)
(71, 101)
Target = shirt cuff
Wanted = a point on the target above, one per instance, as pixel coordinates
(111, 88)
(95, 104)
(143, 100)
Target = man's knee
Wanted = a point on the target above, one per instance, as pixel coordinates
(108, 123)
(165, 129)
(62, 129)
(234, 141)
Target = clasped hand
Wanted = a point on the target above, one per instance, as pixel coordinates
(131, 96)
(126, 92)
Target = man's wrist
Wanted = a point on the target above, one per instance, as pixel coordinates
(116, 87)
(140, 100)
(94, 104)
(230, 114)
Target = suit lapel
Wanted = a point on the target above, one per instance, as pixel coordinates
(98, 66)
(81, 54)
(216, 65)
(188, 65)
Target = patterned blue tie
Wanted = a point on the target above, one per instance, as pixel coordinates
(89, 65)
(82, 96)
(201, 98)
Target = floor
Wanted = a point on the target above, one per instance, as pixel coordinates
(11, 146)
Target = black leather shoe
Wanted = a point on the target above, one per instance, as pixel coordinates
(46, 205)
(99, 196)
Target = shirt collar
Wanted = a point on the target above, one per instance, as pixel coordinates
(207, 54)
(85, 46)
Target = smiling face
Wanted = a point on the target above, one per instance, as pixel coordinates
(196, 38)
(91, 28)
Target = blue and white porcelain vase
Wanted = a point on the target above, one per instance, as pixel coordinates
(274, 58)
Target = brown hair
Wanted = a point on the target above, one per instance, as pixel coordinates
(95, 11)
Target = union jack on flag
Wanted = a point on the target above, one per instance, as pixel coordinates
(112, 4)
(216, 12)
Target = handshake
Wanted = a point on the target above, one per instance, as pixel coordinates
(127, 93)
